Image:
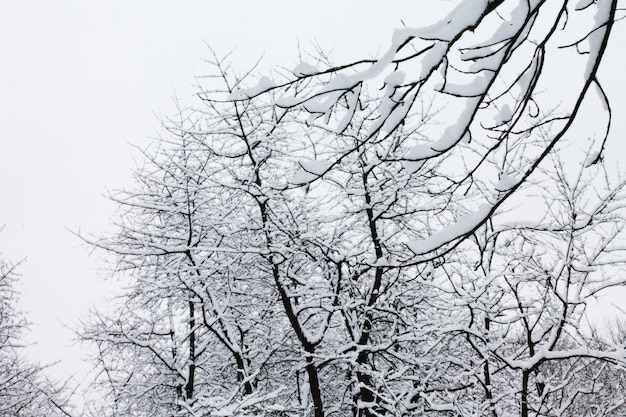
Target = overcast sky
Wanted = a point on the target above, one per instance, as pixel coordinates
(81, 82)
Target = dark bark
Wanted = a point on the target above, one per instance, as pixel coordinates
(366, 392)
(524, 405)
(189, 387)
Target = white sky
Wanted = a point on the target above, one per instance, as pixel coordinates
(80, 81)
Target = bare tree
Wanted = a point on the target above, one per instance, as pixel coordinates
(478, 76)
(326, 243)
(25, 390)
(519, 292)
(199, 315)
(459, 124)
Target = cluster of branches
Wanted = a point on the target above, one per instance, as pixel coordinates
(25, 391)
(321, 246)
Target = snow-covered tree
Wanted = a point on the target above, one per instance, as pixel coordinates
(518, 292)
(185, 335)
(333, 241)
(25, 391)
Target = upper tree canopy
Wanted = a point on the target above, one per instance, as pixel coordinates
(493, 86)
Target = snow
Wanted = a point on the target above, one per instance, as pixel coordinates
(248, 402)
(352, 99)
(454, 133)
(477, 85)
(506, 182)
(583, 268)
(309, 171)
(318, 167)
(465, 225)
(380, 262)
(592, 158)
(391, 119)
(432, 58)
(583, 4)
(224, 412)
(542, 354)
(463, 16)
(323, 103)
(341, 82)
(412, 166)
(511, 23)
(596, 37)
(275, 407)
(420, 152)
(489, 62)
(450, 137)
(394, 79)
(304, 69)
(286, 102)
(264, 84)
(504, 115)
